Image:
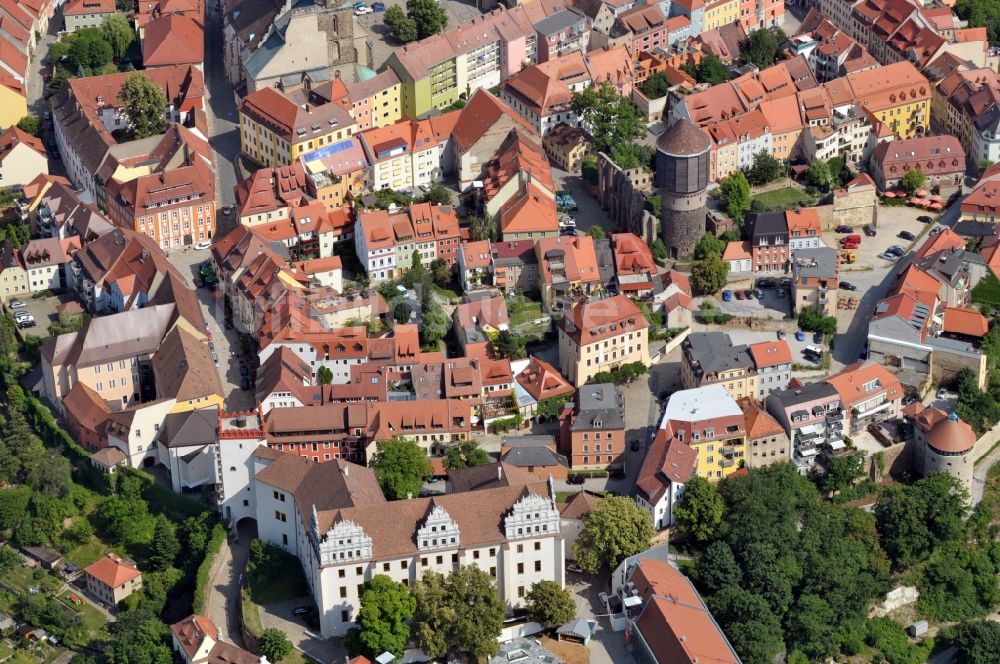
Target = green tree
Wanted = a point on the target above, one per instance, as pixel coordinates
(632, 155)
(659, 249)
(761, 48)
(382, 622)
(137, 638)
(842, 471)
(88, 51)
(984, 164)
(509, 345)
(459, 612)
(752, 628)
(913, 180)
(274, 644)
(437, 194)
(655, 86)
(613, 119)
(434, 324)
(441, 272)
(165, 546)
(708, 245)
(840, 171)
(710, 275)
(765, 168)
(401, 313)
(145, 106)
(400, 466)
(549, 604)
(429, 15)
(736, 190)
(613, 531)
(700, 511)
(812, 319)
(979, 14)
(433, 616)
(818, 175)
(905, 536)
(416, 272)
(464, 454)
(978, 642)
(402, 27)
(712, 70)
(118, 33)
(324, 376)
(718, 569)
(596, 232)
(29, 124)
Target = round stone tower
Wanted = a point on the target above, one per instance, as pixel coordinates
(682, 161)
(948, 448)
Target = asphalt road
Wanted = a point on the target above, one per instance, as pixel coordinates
(223, 120)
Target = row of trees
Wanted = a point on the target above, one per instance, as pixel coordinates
(445, 615)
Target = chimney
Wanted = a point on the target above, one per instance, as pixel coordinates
(347, 470)
(499, 472)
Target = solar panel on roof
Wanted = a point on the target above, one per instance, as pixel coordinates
(329, 150)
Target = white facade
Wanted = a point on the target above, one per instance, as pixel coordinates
(45, 277)
(337, 563)
(341, 367)
(143, 431)
(379, 263)
(662, 512)
(237, 466)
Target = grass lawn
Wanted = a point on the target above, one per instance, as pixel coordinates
(275, 578)
(251, 615)
(564, 496)
(782, 199)
(522, 311)
(446, 293)
(19, 579)
(93, 619)
(87, 553)
(6, 650)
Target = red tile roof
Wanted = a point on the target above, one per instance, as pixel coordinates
(541, 380)
(590, 322)
(771, 353)
(481, 113)
(173, 40)
(112, 571)
(962, 320)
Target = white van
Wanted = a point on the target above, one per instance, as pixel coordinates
(814, 350)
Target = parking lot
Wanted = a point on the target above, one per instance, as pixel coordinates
(891, 221)
(381, 44)
(42, 309)
(773, 306)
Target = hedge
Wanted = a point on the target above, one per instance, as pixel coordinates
(201, 578)
(52, 434)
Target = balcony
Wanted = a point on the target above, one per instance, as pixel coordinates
(726, 463)
(728, 451)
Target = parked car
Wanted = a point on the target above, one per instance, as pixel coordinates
(740, 295)
(244, 371)
(846, 285)
(937, 230)
(896, 250)
(924, 219)
(215, 358)
(765, 283)
(245, 383)
(636, 445)
(748, 293)
(727, 296)
(434, 480)
(573, 567)
(759, 293)
(817, 337)
(870, 230)
(16, 304)
(781, 334)
(361, 11)
(907, 235)
(844, 229)
(886, 256)
(781, 293)
(800, 335)
(942, 393)
(576, 479)
(228, 323)
(202, 245)
(302, 610)
(379, 6)
(909, 399)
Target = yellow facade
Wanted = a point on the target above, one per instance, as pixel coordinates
(721, 13)
(13, 107)
(386, 107)
(269, 148)
(718, 459)
(207, 401)
(905, 118)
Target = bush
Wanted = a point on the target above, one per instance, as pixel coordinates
(890, 639)
(812, 319)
